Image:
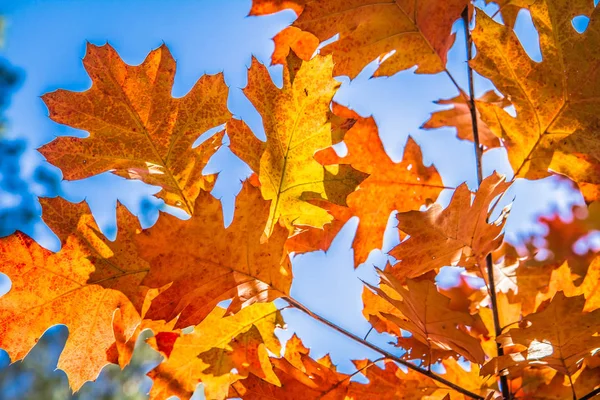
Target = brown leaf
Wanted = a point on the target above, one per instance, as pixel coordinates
(459, 117)
(424, 312)
(457, 235)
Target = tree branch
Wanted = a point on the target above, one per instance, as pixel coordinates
(478, 162)
(296, 304)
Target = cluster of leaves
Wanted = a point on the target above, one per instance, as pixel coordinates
(532, 332)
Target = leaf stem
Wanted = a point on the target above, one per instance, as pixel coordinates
(478, 162)
(296, 304)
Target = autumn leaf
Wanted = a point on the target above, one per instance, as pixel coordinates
(470, 379)
(546, 384)
(296, 125)
(400, 186)
(218, 346)
(116, 264)
(121, 351)
(137, 129)
(559, 336)
(307, 238)
(424, 312)
(301, 377)
(207, 263)
(303, 44)
(67, 288)
(418, 31)
(457, 235)
(459, 117)
(555, 99)
(390, 383)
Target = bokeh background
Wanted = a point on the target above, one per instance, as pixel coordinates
(43, 44)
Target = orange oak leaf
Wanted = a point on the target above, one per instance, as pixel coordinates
(424, 312)
(459, 117)
(555, 99)
(391, 383)
(563, 235)
(301, 377)
(457, 235)
(546, 384)
(220, 351)
(296, 125)
(116, 264)
(468, 379)
(303, 44)
(418, 31)
(560, 336)
(306, 238)
(208, 263)
(67, 288)
(164, 337)
(400, 186)
(137, 129)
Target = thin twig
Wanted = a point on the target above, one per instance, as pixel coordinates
(296, 304)
(591, 394)
(478, 161)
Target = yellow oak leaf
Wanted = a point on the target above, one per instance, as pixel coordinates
(457, 235)
(220, 351)
(137, 129)
(208, 263)
(418, 31)
(296, 125)
(555, 127)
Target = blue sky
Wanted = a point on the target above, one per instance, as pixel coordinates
(47, 39)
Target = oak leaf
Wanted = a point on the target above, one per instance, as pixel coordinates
(459, 117)
(424, 312)
(302, 43)
(555, 99)
(208, 263)
(137, 129)
(402, 186)
(67, 288)
(391, 383)
(296, 125)
(301, 377)
(418, 31)
(457, 235)
(220, 351)
(559, 336)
